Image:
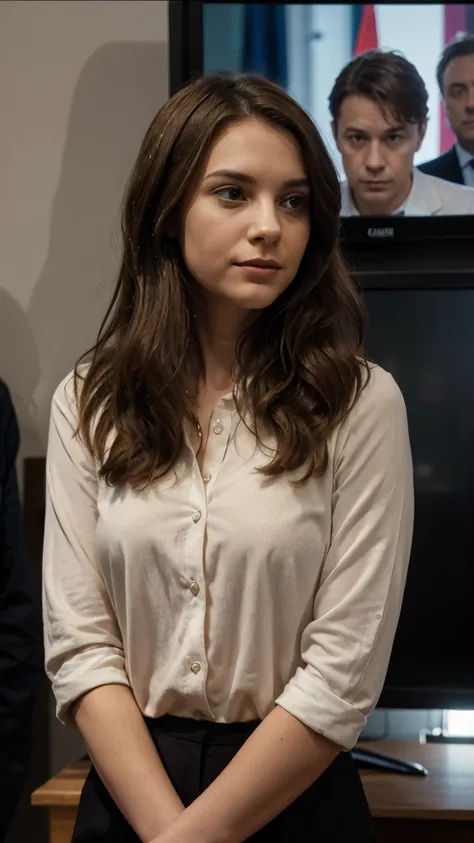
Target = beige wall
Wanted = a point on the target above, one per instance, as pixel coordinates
(79, 83)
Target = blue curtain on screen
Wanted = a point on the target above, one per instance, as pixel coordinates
(470, 18)
(356, 10)
(265, 41)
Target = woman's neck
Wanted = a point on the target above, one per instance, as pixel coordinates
(219, 331)
(219, 355)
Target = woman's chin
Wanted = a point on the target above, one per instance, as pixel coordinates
(256, 299)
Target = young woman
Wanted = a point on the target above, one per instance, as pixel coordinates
(230, 499)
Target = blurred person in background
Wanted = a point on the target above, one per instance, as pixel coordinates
(20, 633)
(455, 75)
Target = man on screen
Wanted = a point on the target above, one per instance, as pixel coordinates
(379, 109)
(455, 75)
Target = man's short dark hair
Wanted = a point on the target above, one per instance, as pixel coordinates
(387, 78)
(461, 45)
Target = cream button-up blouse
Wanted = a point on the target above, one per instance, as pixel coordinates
(219, 594)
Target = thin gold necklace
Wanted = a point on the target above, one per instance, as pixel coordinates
(198, 426)
(199, 430)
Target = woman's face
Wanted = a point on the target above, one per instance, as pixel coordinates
(251, 205)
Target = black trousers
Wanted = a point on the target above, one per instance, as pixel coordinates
(333, 810)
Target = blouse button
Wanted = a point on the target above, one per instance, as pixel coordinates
(196, 516)
(218, 428)
(194, 588)
(195, 667)
(207, 476)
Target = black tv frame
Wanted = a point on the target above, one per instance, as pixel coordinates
(433, 245)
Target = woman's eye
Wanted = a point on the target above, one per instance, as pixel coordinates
(295, 203)
(229, 194)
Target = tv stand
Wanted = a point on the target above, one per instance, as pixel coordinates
(368, 759)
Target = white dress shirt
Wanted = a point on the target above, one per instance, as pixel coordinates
(428, 197)
(218, 595)
(466, 162)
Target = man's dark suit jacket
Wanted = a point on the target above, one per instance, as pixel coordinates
(445, 167)
(20, 632)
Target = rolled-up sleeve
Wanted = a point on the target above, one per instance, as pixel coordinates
(83, 646)
(346, 648)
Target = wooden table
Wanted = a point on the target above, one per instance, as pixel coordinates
(438, 808)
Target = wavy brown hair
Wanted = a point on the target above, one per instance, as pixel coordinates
(300, 365)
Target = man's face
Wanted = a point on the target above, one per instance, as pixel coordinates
(458, 93)
(377, 154)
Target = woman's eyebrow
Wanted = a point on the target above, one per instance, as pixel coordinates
(243, 177)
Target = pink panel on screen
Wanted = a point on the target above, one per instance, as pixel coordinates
(454, 22)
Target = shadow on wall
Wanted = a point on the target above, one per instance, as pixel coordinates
(117, 94)
(20, 367)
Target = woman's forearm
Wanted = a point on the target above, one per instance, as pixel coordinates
(126, 759)
(280, 760)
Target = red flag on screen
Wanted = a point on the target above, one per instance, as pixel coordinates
(367, 34)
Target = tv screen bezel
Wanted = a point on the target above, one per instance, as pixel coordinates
(186, 61)
(405, 695)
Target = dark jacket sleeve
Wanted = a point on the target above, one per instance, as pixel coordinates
(20, 632)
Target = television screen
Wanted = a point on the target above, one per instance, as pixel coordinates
(424, 338)
(399, 127)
